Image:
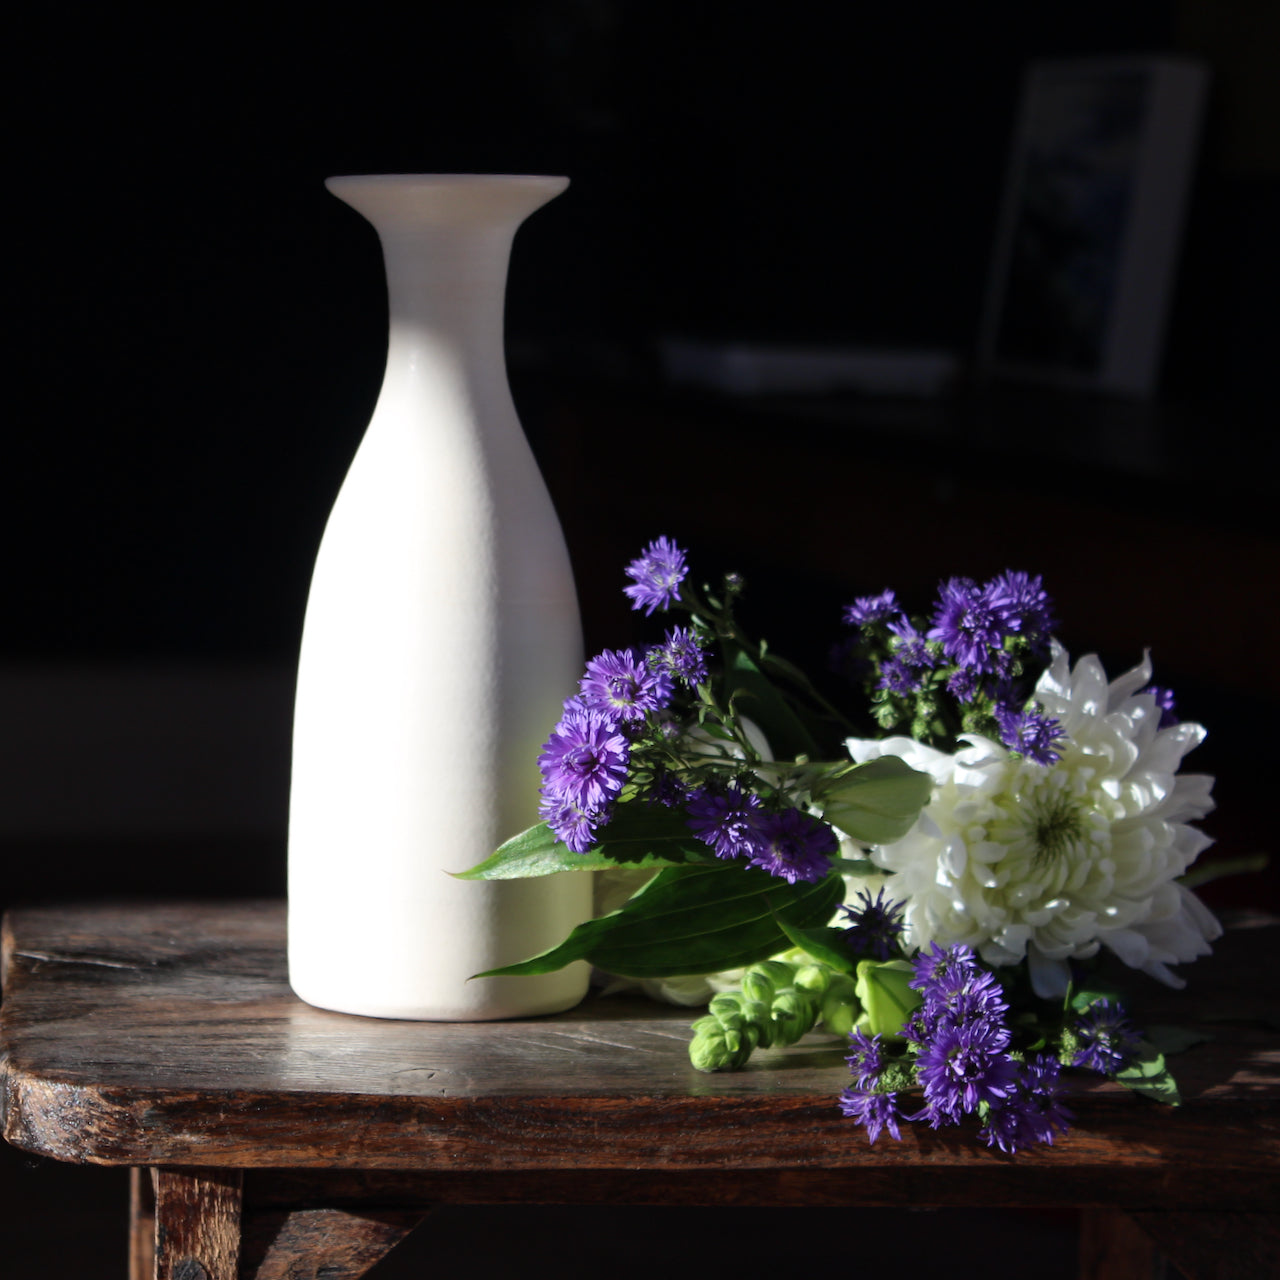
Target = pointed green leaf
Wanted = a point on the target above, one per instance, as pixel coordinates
(1149, 1076)
(639, 835)
(693, 919)
(876, 802)
(825, 944)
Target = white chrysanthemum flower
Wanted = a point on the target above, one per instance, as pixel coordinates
(1018, 859)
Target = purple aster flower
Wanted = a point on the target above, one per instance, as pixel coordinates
(681, 655)
(897, 677)
(619, 685)
(909, 646)
(963, 1066)
(656, 576)
(1166, 702)
(971, 624)
(868, 609)
(584, 762)
(874, 1111)
(1030, 734)
(875, 927)
(956, 989)
(962, 684)
(1106, 1039)
(575, 827)
(1024, 603)
(1033, 1112)
(793, 846)
(865, 1058)
(728, 820)
(1040, 1098)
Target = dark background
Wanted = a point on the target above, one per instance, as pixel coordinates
(199, 331)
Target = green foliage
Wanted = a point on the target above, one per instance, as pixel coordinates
(692, 919)
(876, 802)
(640, 835)
(1148, 1075)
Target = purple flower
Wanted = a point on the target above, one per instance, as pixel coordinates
(575, 827)
(584, 762)
(964, 1066)
(868, 609)
(971, 624)
(1033, 1112)
(875, 927)
(656, 576)
(793, 845)
(1022, 599)
(726, 820)
(874, 1111)
(956, 989)
(962, 684)
(1106, 1039)
(619, 685)
(897, 677)
(681, 655)
(1030, 734)
(865, 1059)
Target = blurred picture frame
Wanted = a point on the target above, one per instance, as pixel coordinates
(1091, 223)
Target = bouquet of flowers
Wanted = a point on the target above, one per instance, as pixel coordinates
(935, 895)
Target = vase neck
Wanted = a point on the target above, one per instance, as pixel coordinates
(446, 241)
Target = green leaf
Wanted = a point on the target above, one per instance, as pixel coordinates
(876, 802)
(692, 919)
(825, 944)
(639, 835)
(1149, 1076)
(759, 700)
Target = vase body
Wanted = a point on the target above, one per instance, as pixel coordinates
(441, 637)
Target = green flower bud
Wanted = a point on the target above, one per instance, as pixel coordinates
(814, 978)
(756, 986)
(887, 999)
(712, 1049)
(840, 1005)
(792, 1014)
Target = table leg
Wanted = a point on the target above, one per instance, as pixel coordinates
(197, 1217)
(142, 1225)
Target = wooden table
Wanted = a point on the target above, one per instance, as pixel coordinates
(280, 1137)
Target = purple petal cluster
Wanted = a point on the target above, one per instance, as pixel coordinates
(656, 576)
(971, 624)
(682, 656)
(963, 1058)
(1034, 1112)
(875, 926)
(584, 765)
(1106, 1040)
(793, 845)
(1030, 734)
(726, 820)
(786, 843)
(867, 610)
(874, 1111)
(621, 685)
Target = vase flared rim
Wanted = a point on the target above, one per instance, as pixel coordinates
(445, 179)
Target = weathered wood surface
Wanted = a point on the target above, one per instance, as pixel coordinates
(197, 1215)
(167, 1035)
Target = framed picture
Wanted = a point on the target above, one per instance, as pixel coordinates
(1091, 223)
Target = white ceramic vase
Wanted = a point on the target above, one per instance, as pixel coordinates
(441, 638)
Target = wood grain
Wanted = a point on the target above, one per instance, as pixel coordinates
(167, 1035)
(197, 1224)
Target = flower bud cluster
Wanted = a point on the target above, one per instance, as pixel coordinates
(778, 1002)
